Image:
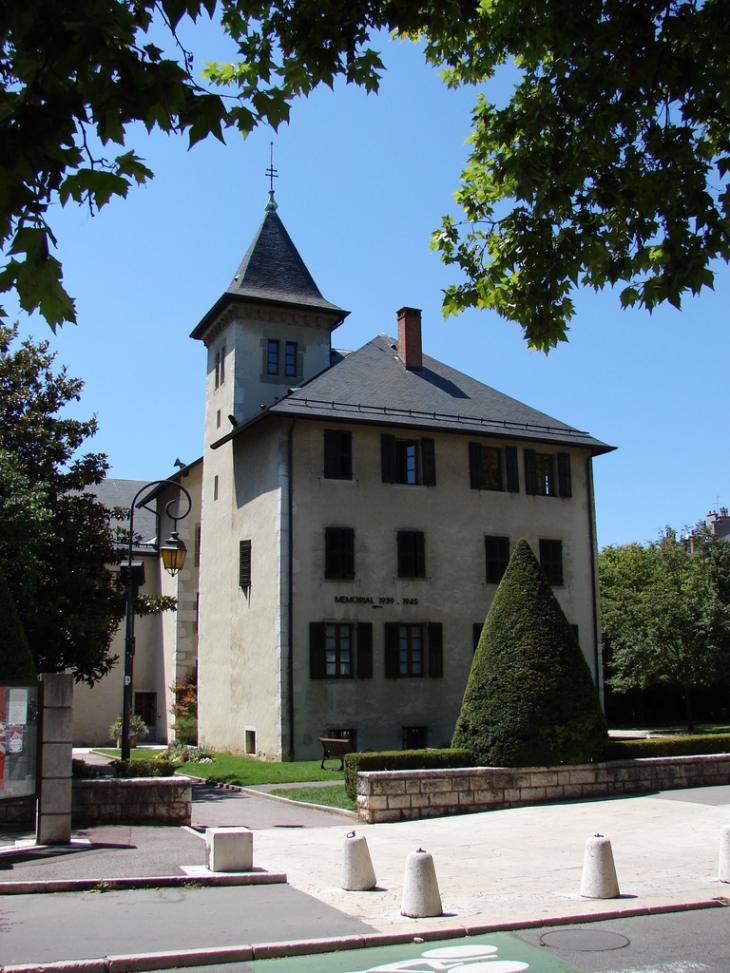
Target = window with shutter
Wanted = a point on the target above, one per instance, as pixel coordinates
(244, 564)
(512, 469)
(337, 454)
(551, 560)
(364, 650)
(485, 467)
(565, 486)
(408, 461)
(317, 664)
(410, 650)
(411, 554)
(539, 474)
(436, 650)
(497, 552)
(339, 553)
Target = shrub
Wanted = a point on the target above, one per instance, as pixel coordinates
(530, 699)
(16, 659)
(80, 770)
(185, 710)
(143, 768)
(675, 746)
(401, 760)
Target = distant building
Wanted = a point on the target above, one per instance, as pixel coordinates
(719, 524)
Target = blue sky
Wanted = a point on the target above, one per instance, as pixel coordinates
(363, 181)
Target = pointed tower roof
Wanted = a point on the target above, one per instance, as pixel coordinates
(272, 273)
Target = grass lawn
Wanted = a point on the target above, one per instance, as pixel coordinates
(245, 771)
(334, 796)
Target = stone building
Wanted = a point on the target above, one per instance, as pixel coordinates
(358, 511)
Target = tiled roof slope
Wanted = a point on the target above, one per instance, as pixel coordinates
(373, 385)
(272, 272)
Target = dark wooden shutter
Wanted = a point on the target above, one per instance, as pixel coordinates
(513, 472)
(387, 456)
(419, 554)
(435, 650)
(406, 566)
(364, 650)
(348, 552)
(475, 466)
(565, 486)
(244, 564)
(391, 650)
(428, 462)
(331, 454)
(476, 634)
(530, 472)
(317, 654)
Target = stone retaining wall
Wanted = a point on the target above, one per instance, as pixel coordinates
(130, 800)
(403, 795)
(133, 800)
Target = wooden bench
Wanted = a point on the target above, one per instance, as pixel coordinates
(335, 750)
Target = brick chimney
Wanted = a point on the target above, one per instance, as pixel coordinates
(409, 338)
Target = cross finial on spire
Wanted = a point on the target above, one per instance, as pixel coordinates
(272, 174)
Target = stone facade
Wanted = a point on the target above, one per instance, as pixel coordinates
(137, 800)
(410, 794)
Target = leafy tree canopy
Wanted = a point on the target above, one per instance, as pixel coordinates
(57, 540)
(530, 699)
(16, 660)
(609, 165)
(666, 612)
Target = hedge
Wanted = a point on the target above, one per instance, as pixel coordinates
(144, 768)
(674, 746)
(401, 760)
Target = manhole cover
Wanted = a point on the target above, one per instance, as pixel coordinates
(584, 940)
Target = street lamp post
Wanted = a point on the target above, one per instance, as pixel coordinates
(173, 557)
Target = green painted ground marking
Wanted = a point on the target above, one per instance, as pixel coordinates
(495, 953)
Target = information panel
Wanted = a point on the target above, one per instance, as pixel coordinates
(18, 741)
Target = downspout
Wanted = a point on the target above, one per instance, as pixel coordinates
(290, 582)
(592, 544)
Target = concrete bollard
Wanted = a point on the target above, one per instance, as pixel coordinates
(229, 849)
(358, 873)
(599, 872)
(724, 867)
(421, 898)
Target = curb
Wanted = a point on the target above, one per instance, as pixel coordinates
(352, 815)
(151, 882)
(138, 962)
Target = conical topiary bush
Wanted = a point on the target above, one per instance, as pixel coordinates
(16, 660)
(530, 699)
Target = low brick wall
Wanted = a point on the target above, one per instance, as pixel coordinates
(134, 800)
(404, 795)
(18, 812)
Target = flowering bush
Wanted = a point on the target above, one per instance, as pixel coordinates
(181, 753)
(137, 727)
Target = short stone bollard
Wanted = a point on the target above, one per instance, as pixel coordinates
(599, 872)
(723, 872)
(229, 849)
(358, 873)
(421, 898)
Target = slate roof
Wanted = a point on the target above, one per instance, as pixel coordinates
(272, 272)
(120, 493)
(372, 385)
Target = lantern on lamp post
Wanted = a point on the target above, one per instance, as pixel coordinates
(173, 553)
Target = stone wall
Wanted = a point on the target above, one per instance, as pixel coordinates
(136, 800)
(403, 795)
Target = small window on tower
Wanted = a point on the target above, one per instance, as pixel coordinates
(290, 358)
